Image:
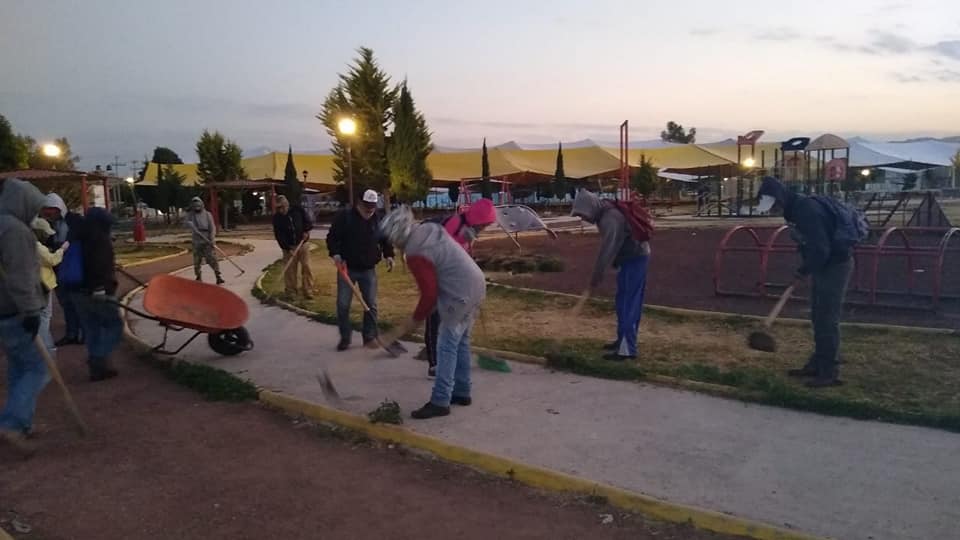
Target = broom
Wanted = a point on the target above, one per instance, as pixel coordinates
(487, 362)
(761, 340)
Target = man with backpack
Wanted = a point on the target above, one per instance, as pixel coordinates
(826, 231)
(625, 230)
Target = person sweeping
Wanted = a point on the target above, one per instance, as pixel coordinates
(624, 244)
(825, 231)
(200, 222)
(464, 228)
(451, 282)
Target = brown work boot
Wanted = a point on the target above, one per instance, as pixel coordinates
(18, 441)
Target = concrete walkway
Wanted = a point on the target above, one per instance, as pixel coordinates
(833, 477)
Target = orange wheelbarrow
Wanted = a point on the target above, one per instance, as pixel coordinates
(183, 304)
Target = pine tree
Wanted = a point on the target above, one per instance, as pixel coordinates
(559, 177)
(453, 193)
(407, 152)
(644, 180)
(13, 151)
(291, 184)
(365, 94)
(485, 188)
(676, 133)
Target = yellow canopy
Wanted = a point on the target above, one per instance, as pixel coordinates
(466, 165)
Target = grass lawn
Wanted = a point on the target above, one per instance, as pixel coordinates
(131, 253)
(893, 375)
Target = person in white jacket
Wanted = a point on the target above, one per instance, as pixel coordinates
(48, 278)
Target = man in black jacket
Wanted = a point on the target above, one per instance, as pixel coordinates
(354, 241)
(99, 314)
(827, 263)
(291, 228)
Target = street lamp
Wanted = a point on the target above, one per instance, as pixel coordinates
(348, 128)
(865, 173)
(749, 162)
(51, 150)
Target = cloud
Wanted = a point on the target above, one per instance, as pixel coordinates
(950, 49)
(893, 6)
(940, 75)
(890, 43)
(779, 34)
(907, 78)
(947, 76)
(704, 32)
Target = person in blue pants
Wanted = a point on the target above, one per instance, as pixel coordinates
(618, 248)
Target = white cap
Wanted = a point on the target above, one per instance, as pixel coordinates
(370, 196)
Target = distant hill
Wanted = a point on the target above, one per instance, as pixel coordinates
(954, 139)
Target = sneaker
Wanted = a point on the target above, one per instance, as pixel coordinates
(462, 401)
(432, 372)
(612, 346)
(18, 441)
(616, 357)
(824, 382)
(429, 411)
(802, 372)
(343, 345)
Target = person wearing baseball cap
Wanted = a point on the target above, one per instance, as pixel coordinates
(354, 241)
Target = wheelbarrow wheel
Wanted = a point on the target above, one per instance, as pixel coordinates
(230, 342)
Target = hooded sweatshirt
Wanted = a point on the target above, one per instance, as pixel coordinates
(446, 275)
(813, 223)
(203, 225)
(461, 226)
(20, 291)
(98, 256)
(616, 240)
(60, 227)
(48, 259)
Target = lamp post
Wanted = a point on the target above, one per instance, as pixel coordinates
(51, 150)
(348, 128)
(139, 233)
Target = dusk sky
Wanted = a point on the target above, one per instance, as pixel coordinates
(118, 77)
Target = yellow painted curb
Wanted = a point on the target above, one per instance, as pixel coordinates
(535, 476)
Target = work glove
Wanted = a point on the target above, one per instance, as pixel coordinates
(389, 264)
(337, 260)
(31, 325)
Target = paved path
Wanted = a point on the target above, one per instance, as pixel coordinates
(829, 476)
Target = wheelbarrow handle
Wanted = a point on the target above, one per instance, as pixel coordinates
(132, 277)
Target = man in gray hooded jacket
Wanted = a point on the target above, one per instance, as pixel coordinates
(619, 249)
(200, 222)
(21, 300)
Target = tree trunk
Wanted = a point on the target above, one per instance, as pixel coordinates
(386, 201)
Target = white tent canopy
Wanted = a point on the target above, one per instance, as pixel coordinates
(933, 153)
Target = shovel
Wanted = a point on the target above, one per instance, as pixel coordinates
(761, 340)
(394, 349)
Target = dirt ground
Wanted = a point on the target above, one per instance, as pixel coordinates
(162, 463)
(682, 267)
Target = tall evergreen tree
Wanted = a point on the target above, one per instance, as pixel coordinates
(643, 179)
(407, 152)
(291, 184)
(560, 177)
(166, 156)
(485, 188)
(453, 193)
(13, 151)
(365, 94)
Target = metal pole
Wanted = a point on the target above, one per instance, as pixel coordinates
(350, 171)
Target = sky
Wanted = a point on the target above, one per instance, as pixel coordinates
(119, 77)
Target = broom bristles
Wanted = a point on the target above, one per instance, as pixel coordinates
(762, 341)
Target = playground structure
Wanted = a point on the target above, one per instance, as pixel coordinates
(899, 267)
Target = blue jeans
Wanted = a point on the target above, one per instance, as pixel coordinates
(70, 316)
(45, 316)
(102, 327)
(631, 284)
(367, 281)
(26, 375)
(453, 360)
